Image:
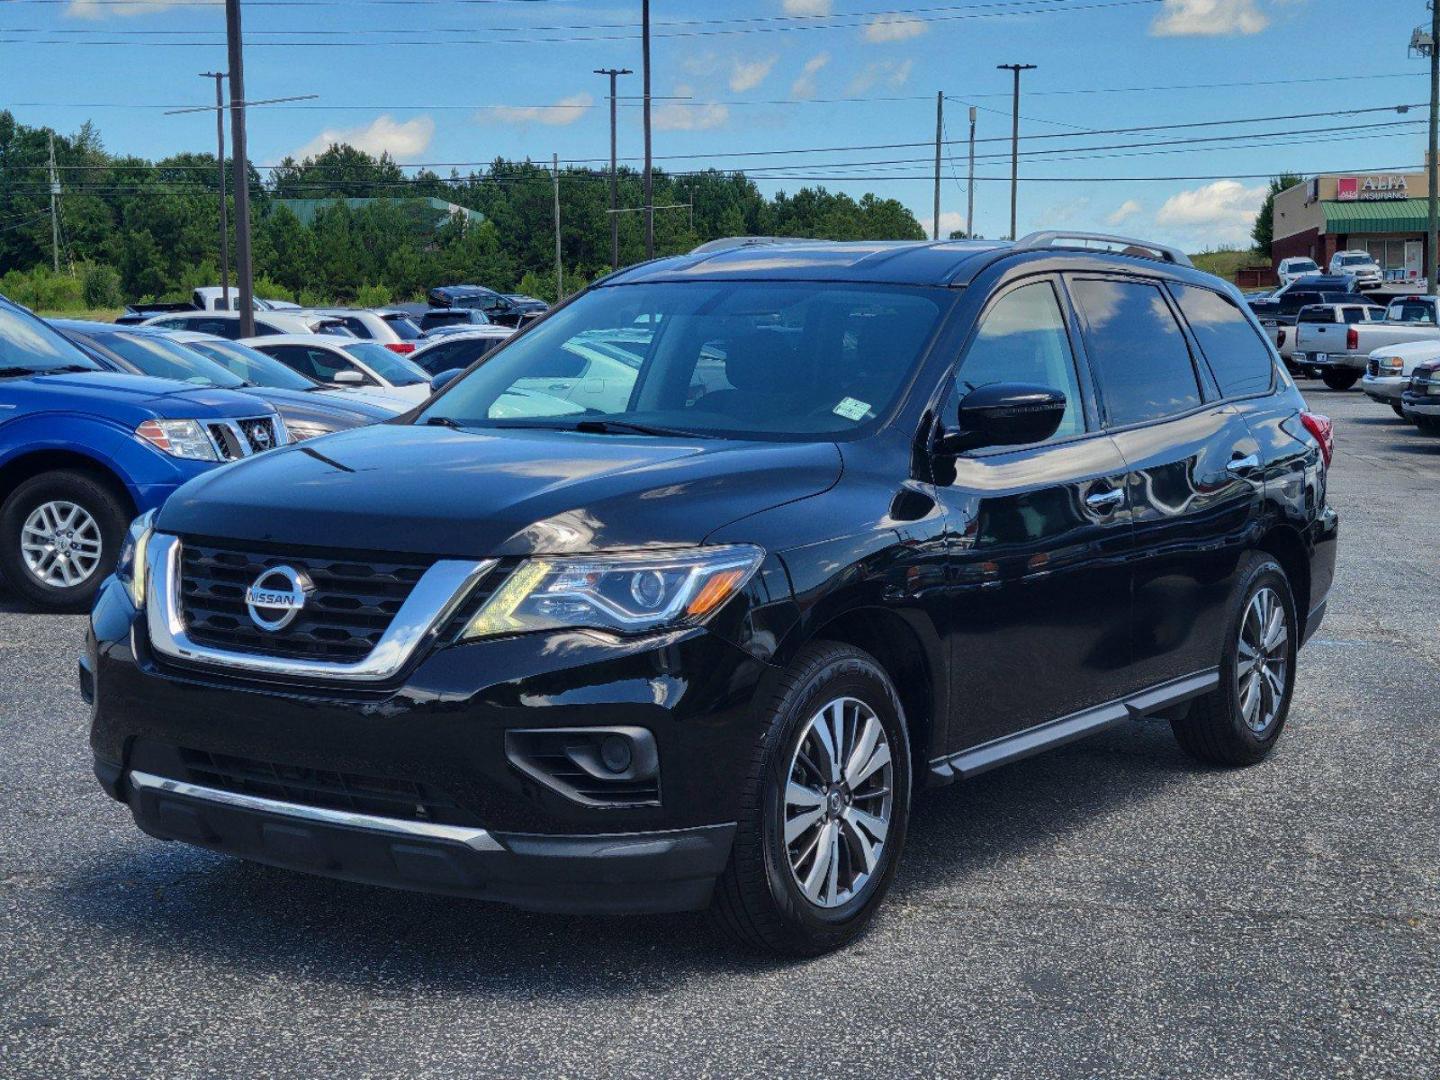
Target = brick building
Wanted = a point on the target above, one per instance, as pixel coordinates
(1384, 214)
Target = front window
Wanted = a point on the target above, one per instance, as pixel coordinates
(28, 346)
(165, 359)
(251, 365)
(391, 367)
(742, 359)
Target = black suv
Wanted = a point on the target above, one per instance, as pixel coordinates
(500, 309)
(678, 597)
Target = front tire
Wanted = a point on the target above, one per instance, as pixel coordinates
(1399, 409)
(1428, 425)
(1341, 379)
(1240, 721)
(824, 810)
(60, 534)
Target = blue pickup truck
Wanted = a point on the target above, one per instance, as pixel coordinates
(83, 451)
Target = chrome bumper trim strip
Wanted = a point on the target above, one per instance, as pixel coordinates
(476, 839)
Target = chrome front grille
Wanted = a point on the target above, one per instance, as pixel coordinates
(235, 439)
(353, 602)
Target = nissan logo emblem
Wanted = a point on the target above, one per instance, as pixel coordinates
(277, 596)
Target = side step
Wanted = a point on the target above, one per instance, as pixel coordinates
(1067, 729)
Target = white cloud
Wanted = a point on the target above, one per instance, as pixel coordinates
(1124, 212)
(1208, 18)
(89, 9)
(808, 7)
(1215, 215)
(893, 73)
(894, 28)
(950, 221)
(402, 140)
(748, 74)
(681, 116)
(805, 85)
(565, 111)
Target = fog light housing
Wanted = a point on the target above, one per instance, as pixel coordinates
(599, 766)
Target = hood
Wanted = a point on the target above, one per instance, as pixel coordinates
(1411, 352)
(106, 392)
(436, 491)
(319, 408)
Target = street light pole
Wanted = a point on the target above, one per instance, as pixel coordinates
(614, 181)
(220, 163)
(939, 128)
(645, 76)
(243, 270)
(1015, 69)
(970, 183)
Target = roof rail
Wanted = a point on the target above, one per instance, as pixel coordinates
(730, 243)
(1123, 245)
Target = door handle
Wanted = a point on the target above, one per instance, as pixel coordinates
(1105, 501)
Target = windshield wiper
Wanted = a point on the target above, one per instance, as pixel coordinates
(607, 427)
(442, 421)
(17, 370)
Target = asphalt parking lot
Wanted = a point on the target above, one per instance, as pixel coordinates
(1107, 910)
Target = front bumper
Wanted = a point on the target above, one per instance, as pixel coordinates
(629, 872)
(440, 726)
(1385, 388)
(1421, 404)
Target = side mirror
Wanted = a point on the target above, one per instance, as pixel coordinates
(444, 379)
(348, 378)
(1005, 414)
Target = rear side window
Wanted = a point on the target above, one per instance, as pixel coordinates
(1137, 351)
(1240, 360)
(1318, 314)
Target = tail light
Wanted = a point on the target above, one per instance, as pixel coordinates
(1324, 433)
(401, 347)
(1352, 339)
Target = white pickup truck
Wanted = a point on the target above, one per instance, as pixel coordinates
(1388, 371)
(1340, 352)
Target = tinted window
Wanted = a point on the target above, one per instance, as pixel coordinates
(251, 365)
(1240, 360)
(151, 354)
(1136, 350)
(1022, 339)
(1294, 301)
(440, 358)
(1354, 314)
(391, 367)
(404, 329)
(356, 326)
(1318, 314)
(318, 364)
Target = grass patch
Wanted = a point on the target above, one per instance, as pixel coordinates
(1225, 263)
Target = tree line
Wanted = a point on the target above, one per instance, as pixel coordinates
(136, 230)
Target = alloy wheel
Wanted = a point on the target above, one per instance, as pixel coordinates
(838, 802)
(61, 544)
(1264, 659)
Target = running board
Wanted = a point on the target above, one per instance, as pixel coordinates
(1067, 729)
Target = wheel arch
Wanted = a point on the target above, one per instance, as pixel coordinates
(1286, 546)
(25, 466)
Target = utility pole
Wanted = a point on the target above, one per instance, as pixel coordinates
(645, 76)
(939, 127)
(54, 208)
(1015, 69)
(614, 180)
(243, 269)
(1432, 236)
(970, 183)
(559, 278)
(220, 161)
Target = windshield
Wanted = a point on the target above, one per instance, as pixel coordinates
(391, 367)
(744, 359)
(1303, 266)
(251, 365)
(28, 345)
(1355, 260)
(166, 359)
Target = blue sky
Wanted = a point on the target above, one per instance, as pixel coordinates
(467, 80)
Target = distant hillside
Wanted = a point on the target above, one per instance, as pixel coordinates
(1224, 263)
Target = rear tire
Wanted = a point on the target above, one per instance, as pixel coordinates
(1339, 380)
(60, 534)
(1240, 721)
(1399, 410)
(793, 808)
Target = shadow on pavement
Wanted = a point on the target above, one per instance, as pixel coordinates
(263, 921)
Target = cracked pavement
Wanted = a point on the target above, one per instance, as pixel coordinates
(1106, 910)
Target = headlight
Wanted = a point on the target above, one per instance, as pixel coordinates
(630, 593)
(179, 438)
(1390, 365)
(130, 569)
(300, 430)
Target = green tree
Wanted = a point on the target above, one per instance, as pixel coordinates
(1262, 235)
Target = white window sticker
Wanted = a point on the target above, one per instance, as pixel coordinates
(851, 409)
